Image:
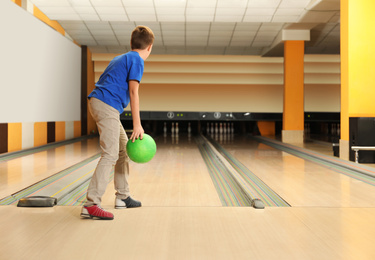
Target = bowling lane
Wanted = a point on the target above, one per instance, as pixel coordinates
(18, 173)
(182, 218)
(300, 182)
(176, 176)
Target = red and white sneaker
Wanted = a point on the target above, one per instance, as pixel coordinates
(96, 211)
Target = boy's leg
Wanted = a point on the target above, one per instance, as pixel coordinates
(123, 199)
(122, 168)
(107, 119)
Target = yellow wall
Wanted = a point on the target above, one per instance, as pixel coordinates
(357, 58)
(361, 58)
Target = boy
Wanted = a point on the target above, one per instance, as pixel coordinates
(117, 86)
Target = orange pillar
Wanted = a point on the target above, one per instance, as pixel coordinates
(357, 69)
(293, 114)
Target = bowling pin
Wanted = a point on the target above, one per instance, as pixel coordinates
(173, 131)
(221, 129)
(189, 128)
(165, 129)
(216, 129)
(176, 135)
(165, 132)
(208, 128)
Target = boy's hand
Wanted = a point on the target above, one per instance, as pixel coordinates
(137, 132)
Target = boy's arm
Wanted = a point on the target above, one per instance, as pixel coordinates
(134, 105)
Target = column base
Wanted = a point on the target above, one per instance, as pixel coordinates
(344, 149)
(292, 136)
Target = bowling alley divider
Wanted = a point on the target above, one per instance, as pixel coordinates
(235, 183)
(65, 185)
(228, 189)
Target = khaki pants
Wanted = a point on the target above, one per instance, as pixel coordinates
(113, 141)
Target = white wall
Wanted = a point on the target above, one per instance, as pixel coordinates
(40, 70)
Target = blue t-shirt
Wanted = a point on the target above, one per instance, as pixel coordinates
(113, 85)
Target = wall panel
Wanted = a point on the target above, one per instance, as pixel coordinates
(203, 97)
(40, 70)
(230, 83)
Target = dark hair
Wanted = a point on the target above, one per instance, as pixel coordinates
(141, 38)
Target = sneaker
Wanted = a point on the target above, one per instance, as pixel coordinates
(127, 203)
(95, 211)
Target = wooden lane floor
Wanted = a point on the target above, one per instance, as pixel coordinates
(301, 182)
(189, 233)
(182, 218)
(21, 172)
(176, 176)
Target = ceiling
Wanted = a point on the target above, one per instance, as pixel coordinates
(222, 27)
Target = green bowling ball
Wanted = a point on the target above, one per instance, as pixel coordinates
(141, 151)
